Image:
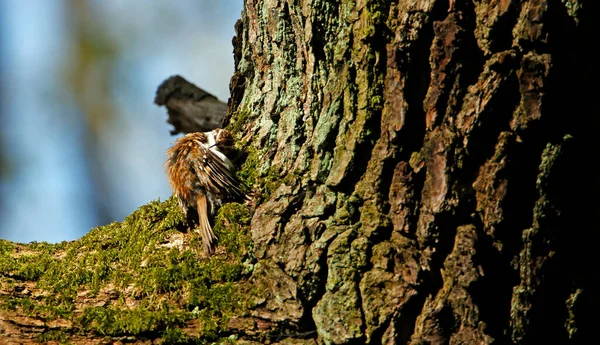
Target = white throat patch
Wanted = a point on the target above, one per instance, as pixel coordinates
(211, 143)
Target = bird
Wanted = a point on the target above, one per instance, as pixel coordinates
(202, 177)
(190, 108)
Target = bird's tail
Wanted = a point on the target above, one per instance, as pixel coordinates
(208, 237)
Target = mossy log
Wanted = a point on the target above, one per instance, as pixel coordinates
(420, 177)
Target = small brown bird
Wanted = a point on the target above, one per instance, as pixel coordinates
(202, 176)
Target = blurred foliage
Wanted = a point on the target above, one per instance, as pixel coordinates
(88, 75)
(93, 69)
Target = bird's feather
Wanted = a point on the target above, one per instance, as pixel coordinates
(204, 227)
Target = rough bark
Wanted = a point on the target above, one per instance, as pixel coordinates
(420, 178)
(427, 188)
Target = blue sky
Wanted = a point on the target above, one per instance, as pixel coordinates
(45, 192)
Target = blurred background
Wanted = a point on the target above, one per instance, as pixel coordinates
(81, 142)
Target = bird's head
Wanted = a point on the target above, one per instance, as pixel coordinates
(223, 140)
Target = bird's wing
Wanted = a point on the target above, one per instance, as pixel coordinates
(215, 175)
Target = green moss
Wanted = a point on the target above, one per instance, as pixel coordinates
(238, 120)
(109, 321)
(7, 261)
(273, 179)
(416, 161)
(376, 103)
(48, 308)
(174, 336)
(270, 182)
(347, 208)
(6, 247)
(232, 228)
(253, 173)
(573, 8)
(53, 335)
(571, 322)
(47, 248)
(143, 261)
(248, 172)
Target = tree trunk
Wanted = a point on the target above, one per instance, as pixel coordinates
(417, 168)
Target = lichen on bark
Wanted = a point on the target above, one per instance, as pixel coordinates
(414, 131)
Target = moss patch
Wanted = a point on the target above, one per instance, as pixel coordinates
(238, 120)
(255, 172)
(263, 182)
(249, 171)
(128, 271)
